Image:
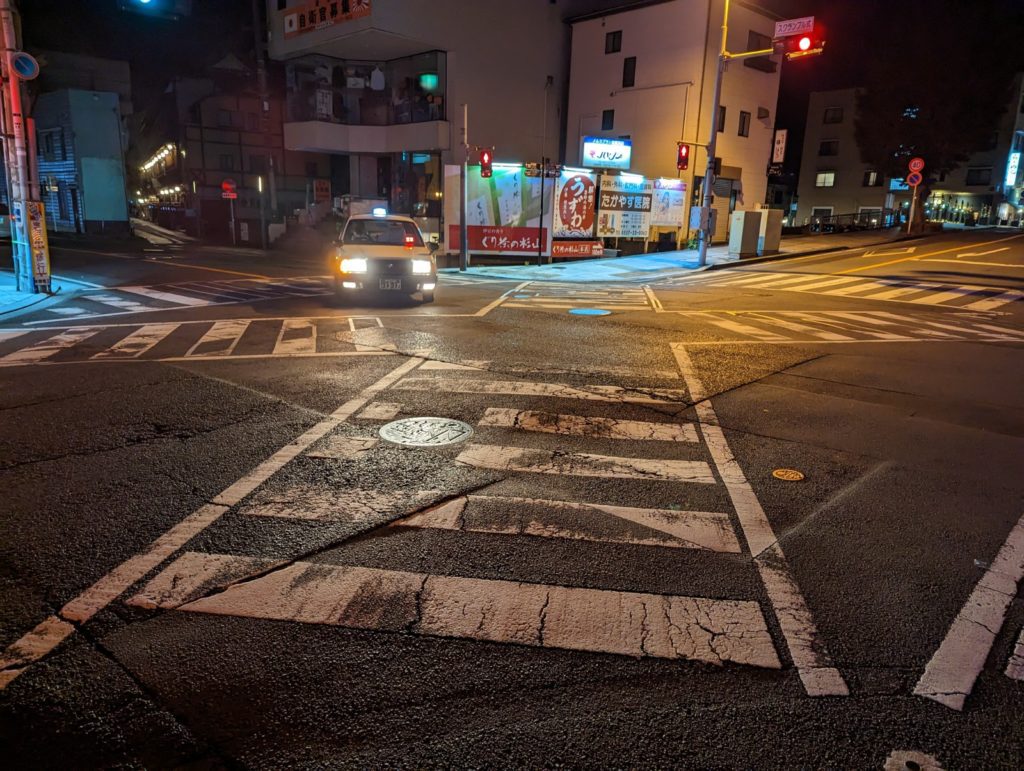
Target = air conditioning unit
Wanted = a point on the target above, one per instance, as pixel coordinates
(763, 113)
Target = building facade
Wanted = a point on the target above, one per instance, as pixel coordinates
(646, 72)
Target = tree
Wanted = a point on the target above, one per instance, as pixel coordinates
(938, 79)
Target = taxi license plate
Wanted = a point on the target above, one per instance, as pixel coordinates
(390, 283)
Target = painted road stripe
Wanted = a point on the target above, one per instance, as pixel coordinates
(972, 329)
(818, 675)
(850, 322)
(582, 304)
(170, 297)
(821, 334)
(990, 303)
(533, 461)
(44, 349)
(345, 447)
(138, 342)
(952, 671)
(744, 329)
(583, 521)
(220, 340)
(380, 411)
(863, 286)
(937, 298)
(528, 388)
(117, 302)
(296, 336)
(1015, 667)
(567, 618)
(832, 281)
(53, 630)
(892, 294)
(599, 428)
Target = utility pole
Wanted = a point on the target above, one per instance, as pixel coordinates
(28, 223)
(543, 171)
(261, 79)
(464, 198)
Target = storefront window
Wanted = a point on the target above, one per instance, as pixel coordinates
(416, 184)
(408, 90)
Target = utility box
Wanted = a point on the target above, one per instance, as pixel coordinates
(744, 230)
(770, 232)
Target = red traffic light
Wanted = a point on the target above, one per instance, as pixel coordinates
(683, 157)
(799, 46)
(804, 44)
(485, 163)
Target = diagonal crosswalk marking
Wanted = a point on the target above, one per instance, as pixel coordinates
(991, 303)
(527, 388)
(575, 425)
(806, 329)
(745, 329)
(138, 342)
(44, 349)
(938, 298)
(296, 336)
(157, 294)
(220, 340)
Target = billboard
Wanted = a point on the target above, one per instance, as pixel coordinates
(312, 15)
(669, 206)
(605, 153)
(575, 204)
(625, 206)
(502, 211)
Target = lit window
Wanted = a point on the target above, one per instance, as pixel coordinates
(872, 179)
(825, 179)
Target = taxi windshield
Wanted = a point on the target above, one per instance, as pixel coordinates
(382, 233)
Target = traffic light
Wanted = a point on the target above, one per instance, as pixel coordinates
(159, 9)
(682, 156)
(485, 163)
(799, 46)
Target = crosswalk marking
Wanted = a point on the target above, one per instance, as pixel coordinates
(937, 298)
(575, 425)
(220, 340)
(583, 521)
(523, 459)
(380, 411)
(118, 302)
(1015, 666)
(991, 303)
(296, 336)
(44, 349)
(569, 618)
(744, 329)
(138, 342)
(813, 331)
(157, 294)
(527, 388)
(560, 296)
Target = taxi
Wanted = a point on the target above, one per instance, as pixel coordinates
(383, 253)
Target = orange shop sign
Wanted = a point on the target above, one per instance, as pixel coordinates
(320, 14)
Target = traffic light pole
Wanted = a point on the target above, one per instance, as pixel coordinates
(261, 79)
(464, 198)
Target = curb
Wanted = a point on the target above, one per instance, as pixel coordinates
(811, 252)
(42, 303)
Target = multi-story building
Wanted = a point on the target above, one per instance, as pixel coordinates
(835, 182)
(646, 72)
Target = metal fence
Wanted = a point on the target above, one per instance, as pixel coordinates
(867, 219)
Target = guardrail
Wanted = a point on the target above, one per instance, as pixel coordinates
(873, 219)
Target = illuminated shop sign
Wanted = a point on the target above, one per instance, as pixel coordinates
(604, 153)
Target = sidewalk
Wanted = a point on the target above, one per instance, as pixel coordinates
(659, 265)
(13, 302)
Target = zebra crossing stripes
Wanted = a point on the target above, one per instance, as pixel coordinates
(962, 296)
(784, 327)
(561, 296)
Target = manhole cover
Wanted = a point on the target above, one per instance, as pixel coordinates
(426, 432)
(589, 312)
(787, 474)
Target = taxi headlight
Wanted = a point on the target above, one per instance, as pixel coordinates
(353, 265)
(421, 267)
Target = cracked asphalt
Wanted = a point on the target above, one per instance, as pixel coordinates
(575, 584)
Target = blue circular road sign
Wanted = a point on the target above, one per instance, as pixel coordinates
(25, 65)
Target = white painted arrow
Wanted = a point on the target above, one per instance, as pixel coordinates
(892, 252)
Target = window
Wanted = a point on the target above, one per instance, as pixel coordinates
(821, 211)
(607, 120)
(758, 42)
(628, 71)
(721, 117)
(979, 177)
(825, 179)
(744, 124)
(382, 233)
(613, 42)
(828, 147)
(251, 122)
(223, 118)
(872, 179)
(258, 163)
(227, 162)
(310, 168)
(48, 145)
(833, 115)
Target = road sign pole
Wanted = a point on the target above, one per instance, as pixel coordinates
(231, 205)
(913, 210)
(464, 197)
(709, 172)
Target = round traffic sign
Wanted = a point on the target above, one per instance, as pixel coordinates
(916, 164)
(914, 179)
(228, 185)
(24, 65)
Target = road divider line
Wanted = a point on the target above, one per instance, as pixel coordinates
(492, 305)
(540, 615)
(951, 673)
(55, 629)
(653, 300)
(920, 256)
(577, 425)
(810, 657)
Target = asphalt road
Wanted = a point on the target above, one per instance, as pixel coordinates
(210, 558)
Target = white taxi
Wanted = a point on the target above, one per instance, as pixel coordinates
(386, 254)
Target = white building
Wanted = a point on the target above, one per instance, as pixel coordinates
(647, 71)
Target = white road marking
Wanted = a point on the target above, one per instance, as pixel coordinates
(937, 298)
(527, 388)
(156, 294)
(50, 632)
(44, 349)
(117, 302)
(901, 760)
(852, 322)
(576, 425)
(138, 342)
(891, 252)
(1018, 266)
(10, 335)
(582, 521)
(991, 303)
(1015, 666)
(653, 300)
(569, 306)
(220, 340)
(296, 336)
(952, 671)
(494, 304)
(533, 461)
(863, 286)
(832, 281)
(381, 411)
(593, 620)
(745, 329)
(892, 294)
(821, 334)
(348, 504)
(983, 254)
(819, 676)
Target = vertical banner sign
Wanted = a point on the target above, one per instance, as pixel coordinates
(668, 210)
(503, 211)
(575, 203)
(779, 147)
(321, 190)
(625, 207)
(37, 242)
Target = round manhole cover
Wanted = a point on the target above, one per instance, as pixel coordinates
(426, 432)
(589, 312)
(787, 474)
